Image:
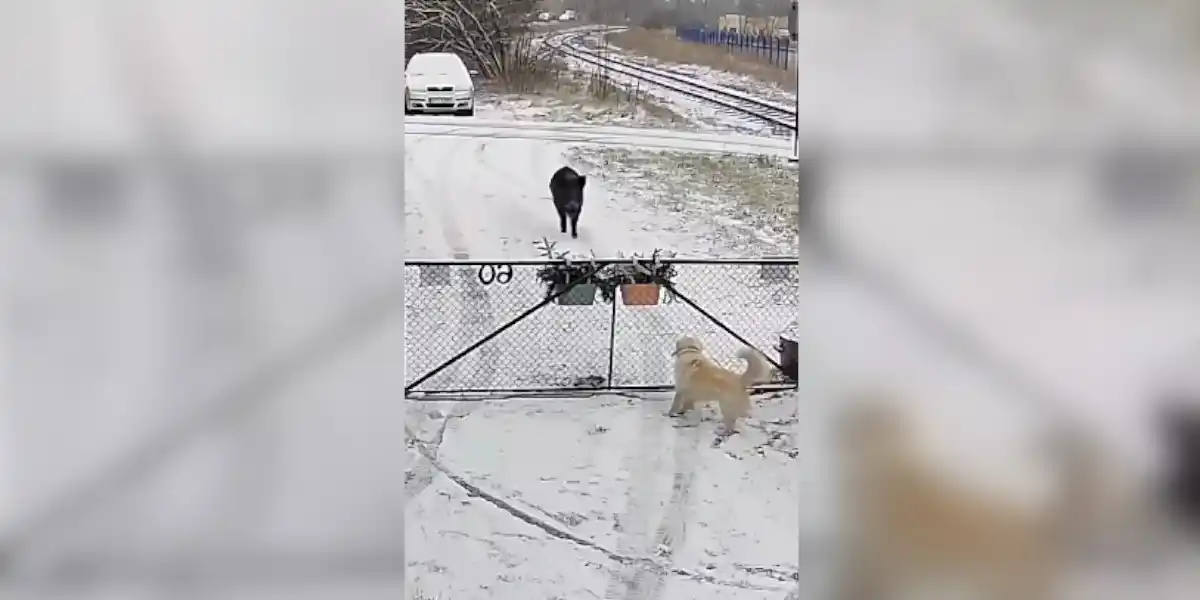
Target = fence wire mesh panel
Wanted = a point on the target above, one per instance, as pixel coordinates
(450, 308)
(585, 339)
(757, 301)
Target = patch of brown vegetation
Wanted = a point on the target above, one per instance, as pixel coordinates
(555, 93)
(665, 46)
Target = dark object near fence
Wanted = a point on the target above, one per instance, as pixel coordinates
(794, 21)
(789, 357)
(1142, 179)
(1180, 428)
(810, 171)
(777, 50)
(83, 193)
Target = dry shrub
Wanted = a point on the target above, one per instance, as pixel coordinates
(664, 45)
(524, 67)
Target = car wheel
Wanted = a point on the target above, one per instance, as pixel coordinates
(470, 112)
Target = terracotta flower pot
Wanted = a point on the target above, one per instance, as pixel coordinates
(639, 294)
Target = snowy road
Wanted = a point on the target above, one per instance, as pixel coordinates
(504, 207)
(591, 134)
(587, 497)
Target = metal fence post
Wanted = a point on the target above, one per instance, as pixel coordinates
(794, 41)
(612, 343)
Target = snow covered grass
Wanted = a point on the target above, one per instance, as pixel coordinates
(699, 113)
(750, 201)
(664, 46)
(579, 97)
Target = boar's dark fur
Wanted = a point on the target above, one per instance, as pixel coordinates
(566, 188)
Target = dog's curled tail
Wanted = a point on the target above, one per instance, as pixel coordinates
(757, 368)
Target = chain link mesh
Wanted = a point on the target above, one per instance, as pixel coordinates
(449, 308)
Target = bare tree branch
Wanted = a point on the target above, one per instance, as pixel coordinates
(482, 32)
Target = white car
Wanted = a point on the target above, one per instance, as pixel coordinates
(438, 82)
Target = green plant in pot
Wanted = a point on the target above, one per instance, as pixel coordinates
(639, 280)
(557, 276)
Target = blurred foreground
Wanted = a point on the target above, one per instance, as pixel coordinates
(200, 248)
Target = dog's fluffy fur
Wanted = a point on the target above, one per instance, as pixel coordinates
(698, 380)
(909, 525)
(566, 189)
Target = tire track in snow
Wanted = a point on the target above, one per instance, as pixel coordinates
(420, 475)
(650, 337)
(475, 311)
(637, 581)
(566, 535)
(648, 584)
(642, 462)
(642, 581)
(475, 319)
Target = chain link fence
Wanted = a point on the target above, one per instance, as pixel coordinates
(480, 326)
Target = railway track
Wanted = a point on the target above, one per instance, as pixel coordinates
(1024, 153)
(776, 115)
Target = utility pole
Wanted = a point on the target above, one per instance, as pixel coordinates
(793, 26)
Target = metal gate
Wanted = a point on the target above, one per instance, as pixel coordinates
(496, 327)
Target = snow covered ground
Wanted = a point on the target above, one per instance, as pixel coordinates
(579, 497)
(1094, 310)
(569, 101)
(745, 83)
(701, 115)
(599, 497)
(1087, 309)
